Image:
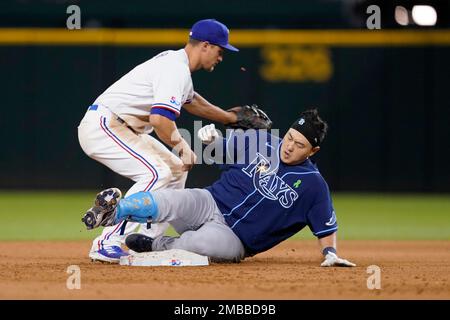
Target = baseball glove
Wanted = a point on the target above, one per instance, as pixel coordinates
(250, 117)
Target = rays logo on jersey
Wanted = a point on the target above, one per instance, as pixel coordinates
(268, 184)
(332, 220)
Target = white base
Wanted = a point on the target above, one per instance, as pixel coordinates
(169, 258)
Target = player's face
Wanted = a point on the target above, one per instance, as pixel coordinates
(213, 55)
(295, 148)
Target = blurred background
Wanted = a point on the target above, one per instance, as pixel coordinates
(379, 72)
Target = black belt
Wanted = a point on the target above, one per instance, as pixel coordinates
(123, 122)
(94, 107)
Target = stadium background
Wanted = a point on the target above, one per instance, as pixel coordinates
(383, 92)
(386, 159)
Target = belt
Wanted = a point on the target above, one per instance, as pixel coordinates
(121, 120)
(94, 107)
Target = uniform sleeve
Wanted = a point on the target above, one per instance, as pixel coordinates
(236, 145)
(190, 97)
(225, 149)
(168, 90)
(246, 147)
(322, 218)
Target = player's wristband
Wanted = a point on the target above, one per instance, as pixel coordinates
(328, 250)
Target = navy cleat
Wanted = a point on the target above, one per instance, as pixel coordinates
(109, 254)
(104, 209)
(139, 242)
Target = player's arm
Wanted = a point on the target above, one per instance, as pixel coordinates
(328, 242)
(329, 250)
(323, 223)
(167, 131)
(200, 107)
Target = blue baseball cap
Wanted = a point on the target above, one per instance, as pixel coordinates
(212, 31)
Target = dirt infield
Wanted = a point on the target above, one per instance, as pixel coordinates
(409, 270)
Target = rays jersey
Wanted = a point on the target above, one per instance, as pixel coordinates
(265, 201)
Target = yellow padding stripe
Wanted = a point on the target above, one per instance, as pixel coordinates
(239, 38)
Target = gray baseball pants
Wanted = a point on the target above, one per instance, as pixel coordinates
(194, 214)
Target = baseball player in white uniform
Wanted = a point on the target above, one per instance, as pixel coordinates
(115, 130)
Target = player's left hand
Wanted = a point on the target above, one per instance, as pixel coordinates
(332, 260)
(250, 117)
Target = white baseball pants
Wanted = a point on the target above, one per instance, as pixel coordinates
(139, 157)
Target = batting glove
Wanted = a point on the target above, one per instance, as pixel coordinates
(208, 133)
(332, 260)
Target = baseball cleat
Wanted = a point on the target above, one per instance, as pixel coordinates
(103, 212)
(110, 254)
(139, 242)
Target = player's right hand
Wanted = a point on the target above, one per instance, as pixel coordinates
(208, 134)
(188, 157)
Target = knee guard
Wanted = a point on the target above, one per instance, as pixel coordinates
(139, 207)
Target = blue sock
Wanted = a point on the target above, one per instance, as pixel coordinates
(138, 207)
